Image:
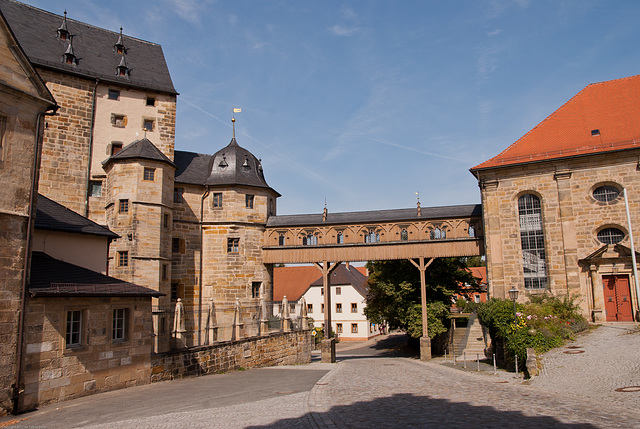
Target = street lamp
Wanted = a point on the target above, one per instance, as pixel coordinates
(513, 294)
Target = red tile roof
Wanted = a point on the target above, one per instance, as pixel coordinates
(603, 117)
(293, 281)
(479, 273)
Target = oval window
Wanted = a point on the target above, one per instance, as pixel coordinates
(610, 236)
(606, 193)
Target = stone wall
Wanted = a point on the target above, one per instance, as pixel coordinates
(275, 349)
(54, 372)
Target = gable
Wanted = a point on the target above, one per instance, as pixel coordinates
(600, 118)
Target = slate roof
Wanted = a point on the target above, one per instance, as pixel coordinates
(51, 277)
(293, 282)
(139, 149)
(391, 215)
(603, 117)
(36, 30)
(56, 217)
(232, 165)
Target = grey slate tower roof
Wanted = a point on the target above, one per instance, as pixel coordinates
(230, 166)
(93, 48)
(56, 217)
(139, 149)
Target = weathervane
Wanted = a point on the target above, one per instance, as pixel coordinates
(233, 119)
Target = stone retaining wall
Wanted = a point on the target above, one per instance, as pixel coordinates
(287, 348)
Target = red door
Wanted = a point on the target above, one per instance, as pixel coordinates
(617, 299)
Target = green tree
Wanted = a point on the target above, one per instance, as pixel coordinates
(394, 293)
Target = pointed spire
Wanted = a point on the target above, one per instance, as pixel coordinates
(325, 212)
(419, 209)
(63, 32)
(123, 70)
(69, 56)
(119, 44)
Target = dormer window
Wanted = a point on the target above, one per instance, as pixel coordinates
(119, 46)
(245, 164)
(122, 69)
(223, 163)
(63, 32)
(69, 56)
(595, 133)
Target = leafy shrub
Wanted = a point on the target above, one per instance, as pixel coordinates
(543, 323)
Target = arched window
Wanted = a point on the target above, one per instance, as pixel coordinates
(371, 237)
(472, 231)
(532, 241)
(610, 236)
(340, 238)
(310, 240)
(436, 234)
(281, 240)
(404, 235)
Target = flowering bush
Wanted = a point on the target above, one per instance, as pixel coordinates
(543, 323)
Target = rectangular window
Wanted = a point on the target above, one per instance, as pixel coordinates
(174, 291)
(354, 328)
(119, 324)
(309, 308)
(248, 200)
(151, 101)
(3, 126)
(123, 206)
(322, 291)
(147, 125)
(233, 245)
(123, 259)
(292, 308)
(217, 199)
(177, 195)
(338, 308)
(338, 290)
(119, 121)
(175, 245)
(149, 174)
(95, 188)
(166, 221)
(165, 271)
(321, 308)
(339, 328)
(354, 307)
(255, 289)
(114, 94)
(73, 336)
(116, 147)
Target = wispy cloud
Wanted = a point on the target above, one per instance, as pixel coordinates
(340, 30)
(349, 26)
(494, 32)
(190, 10)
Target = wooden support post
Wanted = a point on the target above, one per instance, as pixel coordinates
(425, 341)
(328, 344)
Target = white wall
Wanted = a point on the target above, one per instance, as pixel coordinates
(88, 251)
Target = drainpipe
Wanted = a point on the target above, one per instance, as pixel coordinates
(633, 253)
(93, 121)
(35, 175)
(204, 196)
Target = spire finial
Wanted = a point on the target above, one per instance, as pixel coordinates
(233, 119)
(419, 209)
(325, 211)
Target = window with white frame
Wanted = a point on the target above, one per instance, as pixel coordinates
(119, 324)
(73, 335)
(532, 242)
(217, 199)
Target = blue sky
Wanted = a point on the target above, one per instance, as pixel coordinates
(365, 103)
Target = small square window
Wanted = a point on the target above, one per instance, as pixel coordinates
(354, 307)
(338, 290)
(147, 125)
(354, 328)
(123, 258)
(149, 174)
(151, 101)
(116, 147)
(248, 200)
(233, 245)
(114, 94)
(174, 291)
(338, 308)
(255, 289)
(175, 245)
(123, 206)
(119, 121)
(95, 188)
(119, 324)
(217, 199)
(177, 195)
(338, 328)
(73, 335)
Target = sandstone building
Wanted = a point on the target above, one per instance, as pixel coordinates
(554, 208)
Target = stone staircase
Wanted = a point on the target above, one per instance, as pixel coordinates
(469, 340)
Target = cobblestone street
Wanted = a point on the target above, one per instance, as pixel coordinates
(372, 387)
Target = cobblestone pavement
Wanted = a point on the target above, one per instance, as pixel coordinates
(368, 389)
(595, 365)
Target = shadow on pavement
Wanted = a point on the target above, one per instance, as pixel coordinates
(391, 346)
(407, 410)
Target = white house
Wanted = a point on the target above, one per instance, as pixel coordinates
(348, 298)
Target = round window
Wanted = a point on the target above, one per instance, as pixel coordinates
(610, 236)
(606, 193)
